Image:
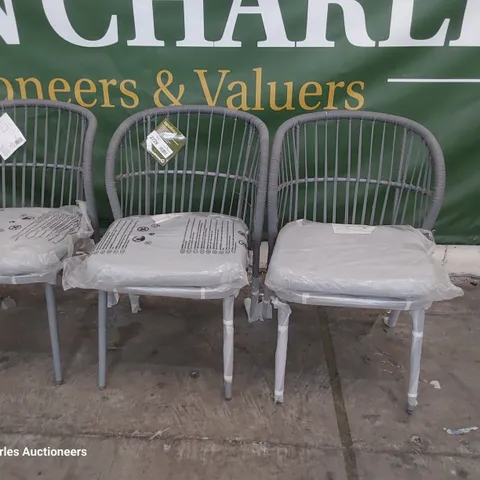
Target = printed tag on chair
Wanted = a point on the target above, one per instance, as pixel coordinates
(164, 142)
(352, 229)
(11, 137)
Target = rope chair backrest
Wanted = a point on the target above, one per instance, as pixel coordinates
(222, 168)
(355, 168)
(54, 167)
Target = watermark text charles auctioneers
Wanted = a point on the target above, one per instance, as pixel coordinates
(27, 451)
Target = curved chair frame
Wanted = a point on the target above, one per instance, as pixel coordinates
(252, 179)
(428, 184)
(74, 182)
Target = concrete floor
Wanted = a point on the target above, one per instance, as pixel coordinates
(162, 415)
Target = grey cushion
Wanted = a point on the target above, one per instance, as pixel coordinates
(176, 250)
(35, 240)
(385, 262)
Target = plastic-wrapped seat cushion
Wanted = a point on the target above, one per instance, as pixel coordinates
(385, 262)
(171, 250)
(36, 240)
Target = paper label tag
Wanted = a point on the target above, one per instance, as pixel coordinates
(164, 142)
(352, 229)
(11, 137)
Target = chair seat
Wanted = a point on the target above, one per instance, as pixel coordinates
(35, 240)
(383, 262)
(172, 250)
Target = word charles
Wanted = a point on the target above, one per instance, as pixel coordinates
(143, 15)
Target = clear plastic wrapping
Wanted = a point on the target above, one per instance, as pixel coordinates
(34, 241)
(228, 336)
(418, 321)
(382, 262)
(284, 312)
(165, 251)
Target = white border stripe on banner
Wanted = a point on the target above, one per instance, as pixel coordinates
(433, 80)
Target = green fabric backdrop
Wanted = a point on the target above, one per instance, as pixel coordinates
(274, 58)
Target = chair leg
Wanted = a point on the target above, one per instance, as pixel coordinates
(53, 326)
(390, 319)
(267, 313)
(418, 321)
(135, 303)
(284, 312)
(228, 333)
(102, 339)
(252, 305)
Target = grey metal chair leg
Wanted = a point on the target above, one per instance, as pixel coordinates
(390, 319)
(418, 322)
(284, 312)
(53, 326)
(102, 339)
(228, 333)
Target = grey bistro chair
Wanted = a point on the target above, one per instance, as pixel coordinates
(52, 169)
(222, 169)
(344, 168)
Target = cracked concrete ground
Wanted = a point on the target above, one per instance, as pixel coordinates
(162, 415)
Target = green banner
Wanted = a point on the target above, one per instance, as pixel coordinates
(273, 58)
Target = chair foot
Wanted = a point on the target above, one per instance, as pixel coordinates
(247, 304)
(412, 404)
(58, 382)
(390, 318)
(228, 389)
(279, 398)
(253, 308)
(267, 310)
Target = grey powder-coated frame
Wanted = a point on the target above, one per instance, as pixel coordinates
(395, 174)
(223, 165)
(60, 138)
